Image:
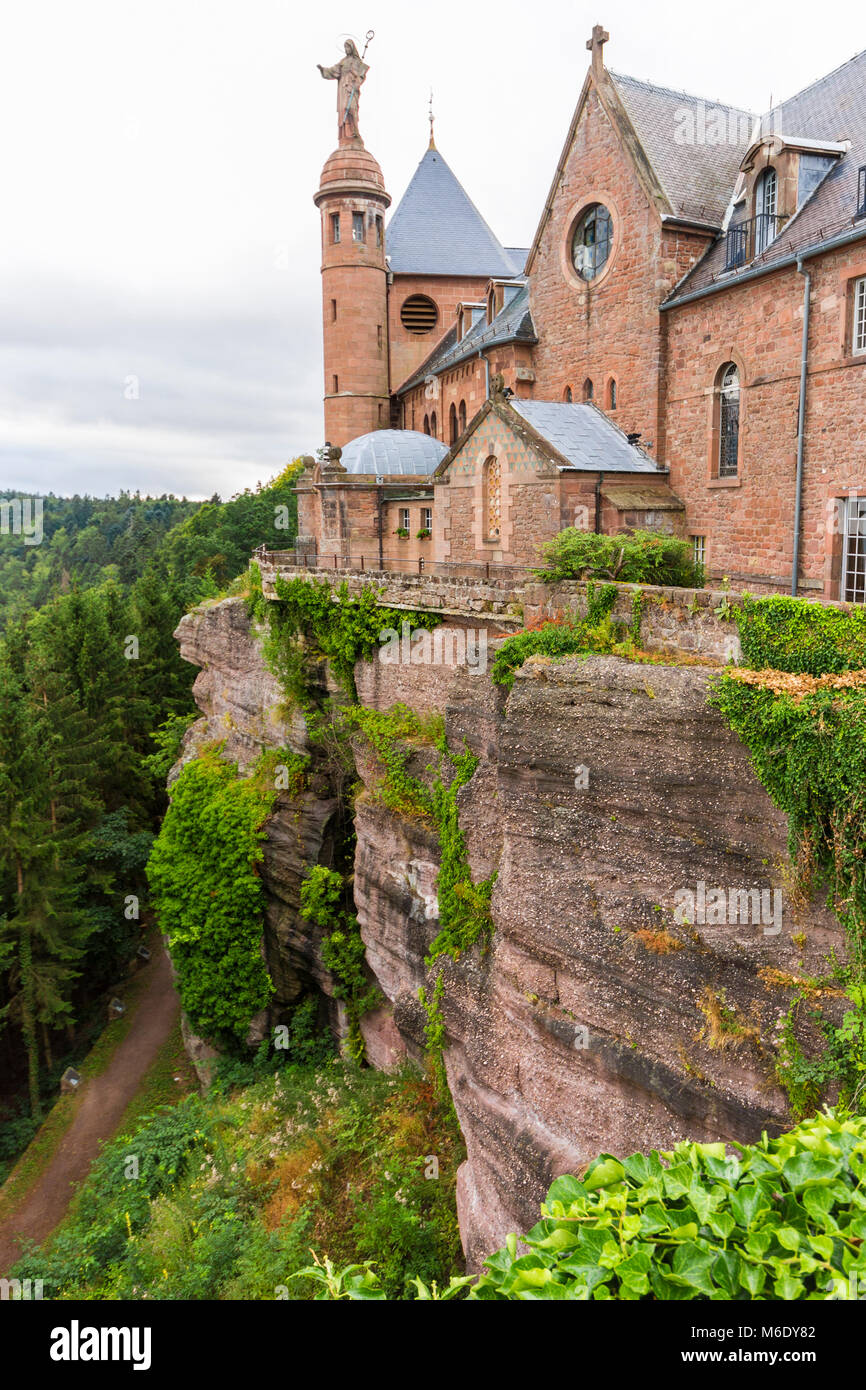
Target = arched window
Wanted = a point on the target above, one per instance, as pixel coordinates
(611, 394)
(492, 498)
(452, 423)
(434, 427)
(462, 417)
(568, 395)
(727, 414)
(588, 389)
(426, 424)
(765, 209)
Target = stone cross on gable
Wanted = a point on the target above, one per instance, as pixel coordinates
(595, 45)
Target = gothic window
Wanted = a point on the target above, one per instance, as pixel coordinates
(492, 499)
(358, 233)
(426, 424)
(611, 394)
(568, 395)
(434, 427)
(728, 420)
(588, 389)
(452, 423)
(461, 420)
(591, 242)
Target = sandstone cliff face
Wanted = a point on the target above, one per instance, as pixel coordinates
(572, 1035)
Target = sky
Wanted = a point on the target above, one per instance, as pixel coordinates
(160, 310)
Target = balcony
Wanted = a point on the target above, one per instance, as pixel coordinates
(748, 239)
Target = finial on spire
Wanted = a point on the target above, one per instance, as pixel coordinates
(431, 118)
(595, 45)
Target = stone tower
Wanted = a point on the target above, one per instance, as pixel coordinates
(352, 202)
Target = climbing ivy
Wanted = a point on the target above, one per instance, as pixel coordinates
(203, 873)
(324, 902)
(597, 632)
(804, 723)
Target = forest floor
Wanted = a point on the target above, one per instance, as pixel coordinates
(99, 1108)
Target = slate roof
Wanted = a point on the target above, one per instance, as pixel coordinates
(830, 110)
(696, 178)
(437, 229)
(584, 436)
(393, 451)
(513, 323)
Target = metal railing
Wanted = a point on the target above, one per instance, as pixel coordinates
(748, 239)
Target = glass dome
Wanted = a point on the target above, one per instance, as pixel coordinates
(393, 452)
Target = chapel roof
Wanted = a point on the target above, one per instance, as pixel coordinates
(513, 323)
(436, 229)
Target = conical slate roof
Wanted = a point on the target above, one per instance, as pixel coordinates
(438, 230)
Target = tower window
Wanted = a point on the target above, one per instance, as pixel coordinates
(379, 336)
(426, 424)
(419, 314)
(588, 390)
(380, 231)
(335, 227)
(333, 311)
(568, 395)
(336, 383)
(358, 226)
(434, 425)
(611, 394)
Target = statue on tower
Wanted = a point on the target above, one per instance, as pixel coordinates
(349, 75)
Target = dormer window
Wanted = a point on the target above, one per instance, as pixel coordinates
(861, 191)
(766, 189)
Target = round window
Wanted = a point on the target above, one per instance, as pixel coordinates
(591, 242)
(418, 314)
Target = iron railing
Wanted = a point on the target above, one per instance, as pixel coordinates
(748, 239)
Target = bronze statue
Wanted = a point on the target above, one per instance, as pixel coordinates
(349, 75)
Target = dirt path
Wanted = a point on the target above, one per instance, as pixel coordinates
(102, 1102)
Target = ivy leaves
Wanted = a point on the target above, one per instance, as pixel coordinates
(785, 1219)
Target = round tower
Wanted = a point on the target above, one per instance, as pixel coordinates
(352, 201)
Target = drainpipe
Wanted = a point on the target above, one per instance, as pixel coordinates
(598, 482)
(801, 426)
(380, 507)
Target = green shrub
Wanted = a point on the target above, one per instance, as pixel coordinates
(208, 895)
(789, 634)
(640, 558)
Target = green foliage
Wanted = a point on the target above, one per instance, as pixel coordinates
(338, 626)
(435, 1037)
(555, 640)
(783, 1219)
(235, 1190)
(644, 557)
(323, 902)
(208, 895)
(789, 634)
(168, 737)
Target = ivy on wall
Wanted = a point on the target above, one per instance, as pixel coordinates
(802, 715)
(203, 873)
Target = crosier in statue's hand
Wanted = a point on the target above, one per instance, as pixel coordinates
(349, 74)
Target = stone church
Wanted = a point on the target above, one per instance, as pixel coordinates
(682, 348)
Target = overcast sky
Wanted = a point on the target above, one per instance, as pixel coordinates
(159, 248)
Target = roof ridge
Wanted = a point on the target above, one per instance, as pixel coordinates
(816, 82)
(679, 92)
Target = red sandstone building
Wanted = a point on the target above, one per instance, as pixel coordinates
(683, 347)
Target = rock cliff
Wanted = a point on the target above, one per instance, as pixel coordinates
(601, 1018)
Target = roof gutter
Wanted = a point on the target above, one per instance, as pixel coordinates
(783, 263)
(801, 426)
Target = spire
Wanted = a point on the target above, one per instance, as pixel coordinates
(431, 118)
